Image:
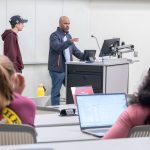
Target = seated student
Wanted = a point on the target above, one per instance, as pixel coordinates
(14, 108)
(137, 113)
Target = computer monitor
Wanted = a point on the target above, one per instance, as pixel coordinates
(89, 55)
(108, 48)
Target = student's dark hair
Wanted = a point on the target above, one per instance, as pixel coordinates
(12, 26)
(143, 95)
(6, 71)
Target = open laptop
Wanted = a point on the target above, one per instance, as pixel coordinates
(81, 90)
(89, 55)
(98, 112)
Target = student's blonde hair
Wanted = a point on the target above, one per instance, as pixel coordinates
(6, 71)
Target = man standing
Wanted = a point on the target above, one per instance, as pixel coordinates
(11, 46)
(61, 49)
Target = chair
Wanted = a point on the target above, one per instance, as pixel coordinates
(12, 134)
(140, 131)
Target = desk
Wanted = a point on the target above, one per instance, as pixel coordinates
(61, 134)
(109, 76)
(56, 108)
(118, 144)
(47, 120)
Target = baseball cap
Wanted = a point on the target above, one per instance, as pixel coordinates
(17, 19)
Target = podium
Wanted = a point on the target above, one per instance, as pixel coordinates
(109, 76)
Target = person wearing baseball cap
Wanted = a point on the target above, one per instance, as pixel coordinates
(17, 19)
(11, 45)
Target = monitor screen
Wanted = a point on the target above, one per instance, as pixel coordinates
(108, 48)
(89, 55)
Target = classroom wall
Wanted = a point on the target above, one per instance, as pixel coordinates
(126, 19)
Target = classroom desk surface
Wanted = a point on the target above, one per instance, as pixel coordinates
(44, 120)
(61, 134)
(118, 144)
(56, 108)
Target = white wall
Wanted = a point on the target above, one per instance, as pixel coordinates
(127, 19)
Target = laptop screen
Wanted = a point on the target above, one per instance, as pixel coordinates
(100, 109)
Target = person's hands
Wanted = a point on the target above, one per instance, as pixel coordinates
(19, 83)
(74, 40)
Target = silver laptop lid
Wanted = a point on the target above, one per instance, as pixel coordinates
(100, 110)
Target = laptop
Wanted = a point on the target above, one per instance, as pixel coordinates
(98, 112)
(89, 55)
(81, 90)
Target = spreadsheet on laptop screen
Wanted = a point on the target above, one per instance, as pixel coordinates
(100, 110)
